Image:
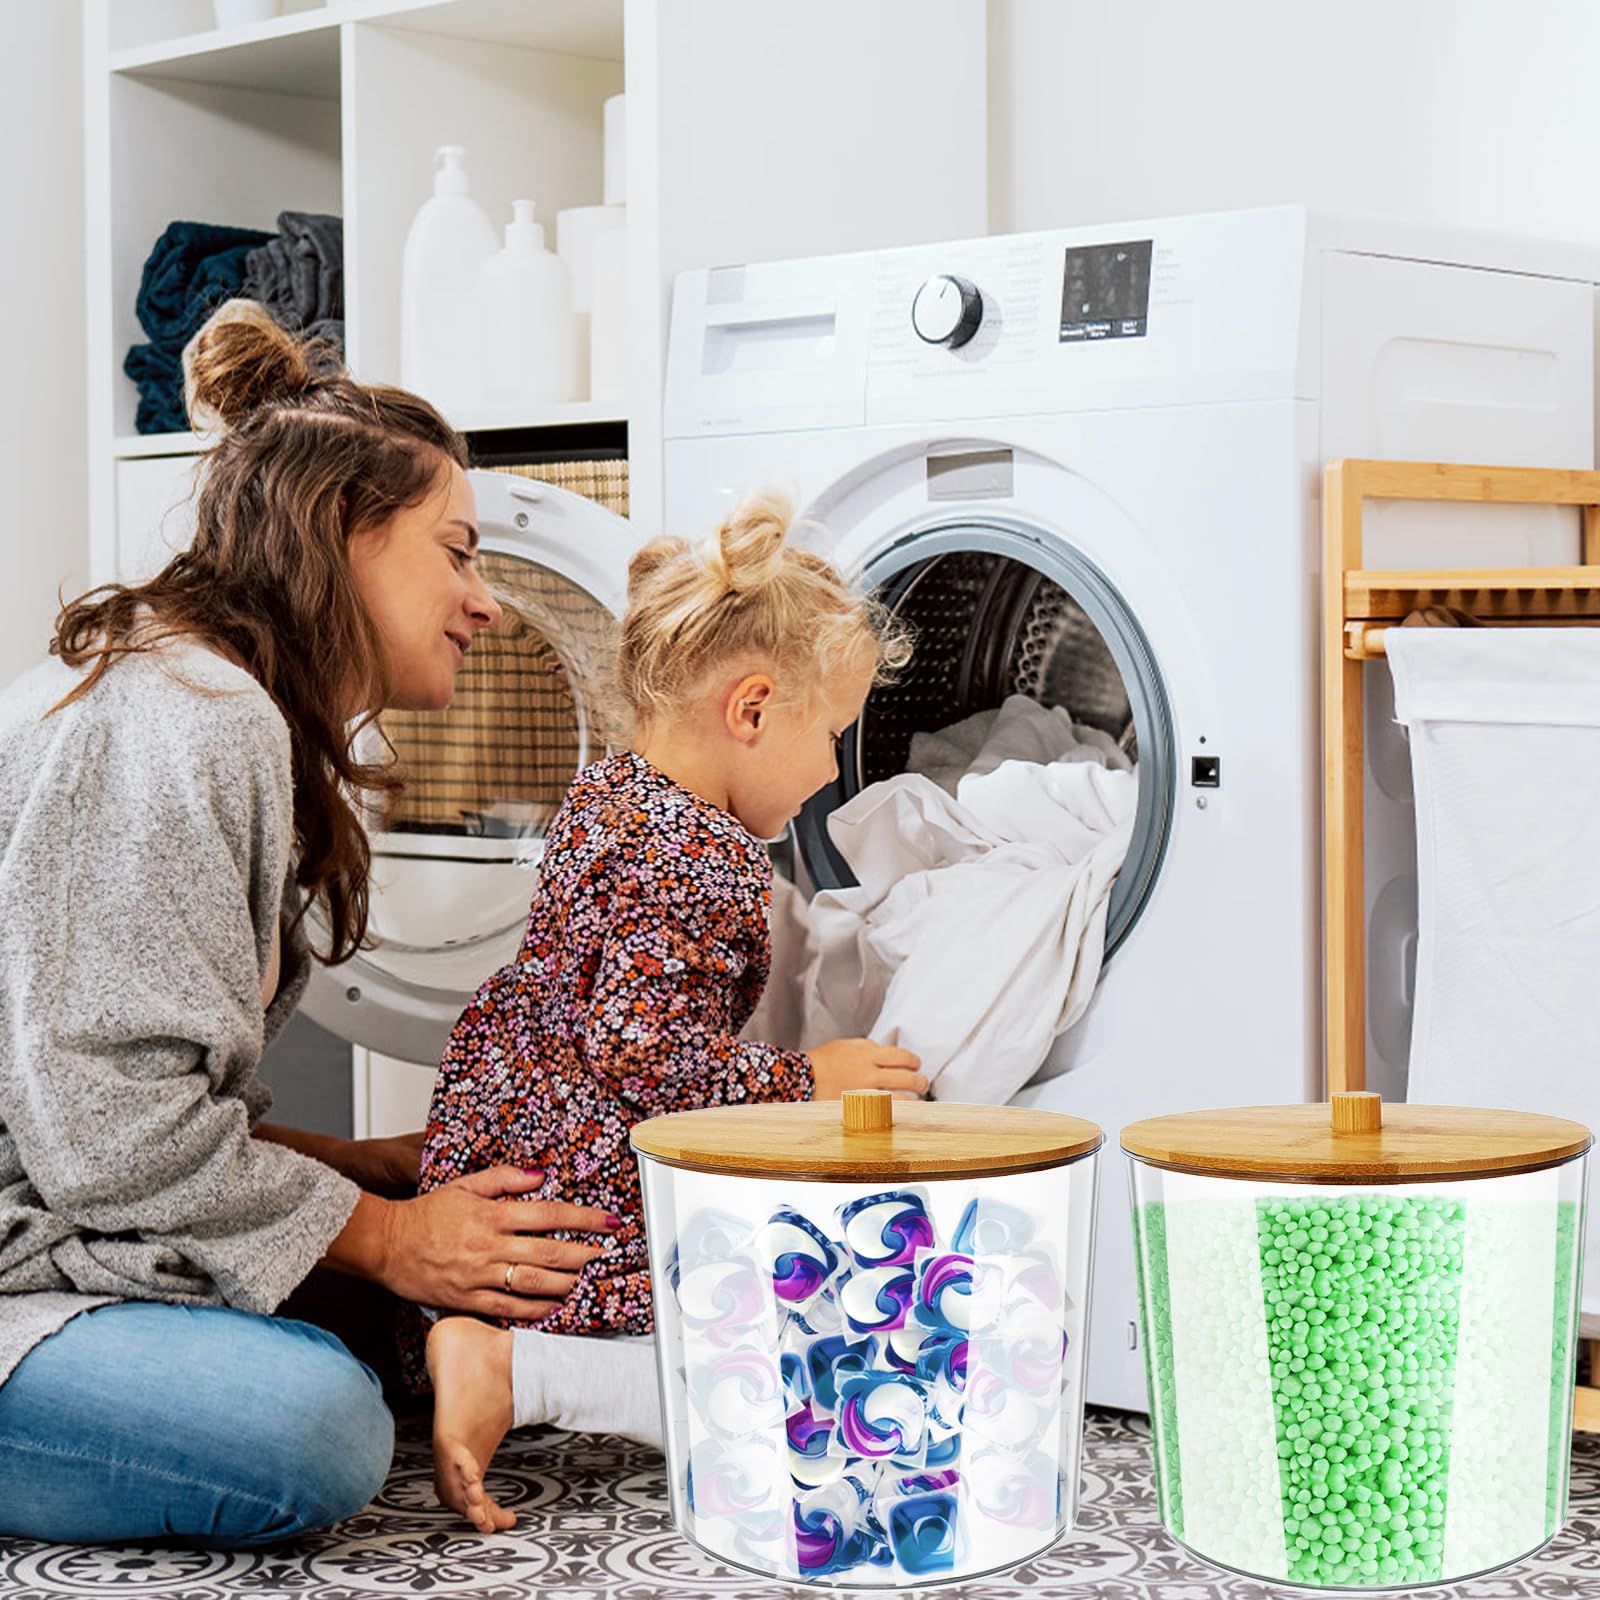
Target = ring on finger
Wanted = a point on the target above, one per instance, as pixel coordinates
(511, 1267)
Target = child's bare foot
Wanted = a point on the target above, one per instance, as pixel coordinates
(470, 1365)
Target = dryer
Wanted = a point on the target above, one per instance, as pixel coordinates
(453, 865)
(1085, 465)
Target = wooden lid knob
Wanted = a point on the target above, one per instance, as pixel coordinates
(867, 1110)
(1357, 1111)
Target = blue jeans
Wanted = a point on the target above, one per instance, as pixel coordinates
(198, 1424)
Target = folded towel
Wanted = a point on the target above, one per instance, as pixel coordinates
(158, 375)
(299, 275)
(192, 269)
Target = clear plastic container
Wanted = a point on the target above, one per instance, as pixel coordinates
(877, 1381)
(1365, 1383)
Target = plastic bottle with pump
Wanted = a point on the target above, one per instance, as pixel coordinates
(440, 287)
(527, 328)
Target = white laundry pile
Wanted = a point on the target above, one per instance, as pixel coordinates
(976, 934)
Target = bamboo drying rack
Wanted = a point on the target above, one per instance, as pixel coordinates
(1359, 605)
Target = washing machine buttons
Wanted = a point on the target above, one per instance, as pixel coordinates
(947, 310)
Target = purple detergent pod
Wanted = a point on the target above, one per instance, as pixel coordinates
(1033, 1356)
(738, 1393)
(883, 1415)
(726, 1301)
(997, 1412)
(731, 1478)
(814, 1455)
(884, 1230)
(944, 1290)
(877, 1299)
(1013, 1487)
(798, 1255)
(1034, 1274)
(832, 1532)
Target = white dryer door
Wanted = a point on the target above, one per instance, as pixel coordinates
(453, 862)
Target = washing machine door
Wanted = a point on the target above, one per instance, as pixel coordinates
(453, 861)
(997, 606)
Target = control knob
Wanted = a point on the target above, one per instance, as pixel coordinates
(947, 310)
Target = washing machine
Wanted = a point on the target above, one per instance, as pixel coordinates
(1084, 465)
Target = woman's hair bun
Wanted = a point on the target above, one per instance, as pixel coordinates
(746, 552)
(239, 360)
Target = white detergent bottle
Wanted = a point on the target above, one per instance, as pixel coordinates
(527, 330)
(440, 286)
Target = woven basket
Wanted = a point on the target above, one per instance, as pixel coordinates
(533, 700)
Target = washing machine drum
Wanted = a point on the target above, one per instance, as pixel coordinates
(998, 609)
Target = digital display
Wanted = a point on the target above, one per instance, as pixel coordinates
(1105, 291)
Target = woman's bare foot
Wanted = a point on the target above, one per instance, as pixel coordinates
(470, 1365)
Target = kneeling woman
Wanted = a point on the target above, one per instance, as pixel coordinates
(174, 794)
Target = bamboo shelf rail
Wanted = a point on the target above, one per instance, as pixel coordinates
(1359, 606)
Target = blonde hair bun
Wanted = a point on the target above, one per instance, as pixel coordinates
(747, 552)
(744, 591)
(239, 360)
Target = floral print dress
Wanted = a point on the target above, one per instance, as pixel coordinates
(646, 950)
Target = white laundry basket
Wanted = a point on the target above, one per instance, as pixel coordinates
(1504, 728)
(871, 1337)
(1359, 1341)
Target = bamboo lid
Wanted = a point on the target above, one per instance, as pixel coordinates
(868, 1135)
(1355, 1139)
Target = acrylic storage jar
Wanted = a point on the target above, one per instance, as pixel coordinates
(870, 1320)
(1359, 1326)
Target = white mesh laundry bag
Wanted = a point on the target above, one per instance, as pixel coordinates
(1505, 754)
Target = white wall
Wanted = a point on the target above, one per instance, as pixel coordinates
(1476, 112)
(43, 439)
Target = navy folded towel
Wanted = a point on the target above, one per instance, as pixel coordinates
(158, 375)
(192, 269)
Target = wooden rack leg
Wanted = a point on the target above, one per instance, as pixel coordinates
(1344, 765)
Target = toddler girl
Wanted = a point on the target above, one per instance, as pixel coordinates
(742, 662)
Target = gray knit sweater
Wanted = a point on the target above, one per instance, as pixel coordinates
(145, 836)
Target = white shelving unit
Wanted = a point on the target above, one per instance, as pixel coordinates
(755, 131)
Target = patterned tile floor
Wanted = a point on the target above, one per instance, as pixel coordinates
(594, 1526)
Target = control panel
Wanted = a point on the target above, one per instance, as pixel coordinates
(1194, 310)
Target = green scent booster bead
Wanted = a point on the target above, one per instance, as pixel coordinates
(1362, 1305)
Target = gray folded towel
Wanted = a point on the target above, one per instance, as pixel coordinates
(299, 275)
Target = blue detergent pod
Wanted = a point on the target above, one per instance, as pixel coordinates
(922, 1533)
